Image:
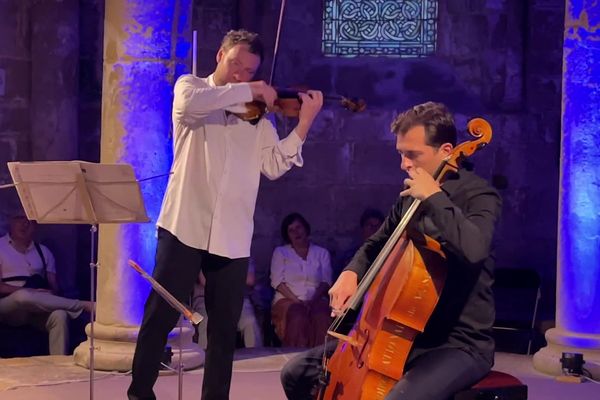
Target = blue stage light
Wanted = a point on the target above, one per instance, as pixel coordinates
(146, 66)
(579, 220)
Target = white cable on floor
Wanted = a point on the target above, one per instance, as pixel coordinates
(589, 378)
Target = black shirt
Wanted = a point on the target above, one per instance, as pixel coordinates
(461, 218)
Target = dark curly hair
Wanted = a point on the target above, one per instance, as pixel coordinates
(288, 220)
(371, 213)
(435, 117)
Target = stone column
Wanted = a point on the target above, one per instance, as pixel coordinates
(54, 111)
(146, 46)
(578, 293)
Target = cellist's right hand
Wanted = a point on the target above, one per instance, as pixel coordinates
(341, 291)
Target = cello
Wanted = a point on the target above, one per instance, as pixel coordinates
(399, 293)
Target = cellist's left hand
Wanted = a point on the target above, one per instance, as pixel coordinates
(420, 184)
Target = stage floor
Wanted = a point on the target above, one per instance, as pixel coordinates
(255, 377)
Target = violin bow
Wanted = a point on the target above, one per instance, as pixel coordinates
(276, 48)
(192, 316)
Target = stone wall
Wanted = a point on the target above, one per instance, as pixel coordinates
(50, 53)
(15, 100)
(499, 59)
(496, 59)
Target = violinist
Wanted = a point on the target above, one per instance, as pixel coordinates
(456, 348)
(206, 220)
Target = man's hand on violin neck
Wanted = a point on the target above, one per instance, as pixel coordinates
(312, 101)
(263, 92)
(341, 291)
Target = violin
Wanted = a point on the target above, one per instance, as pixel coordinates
(288, 104)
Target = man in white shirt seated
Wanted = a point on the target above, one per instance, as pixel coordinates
(206, 220)
(28, 286)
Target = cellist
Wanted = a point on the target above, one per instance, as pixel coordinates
(456, 348)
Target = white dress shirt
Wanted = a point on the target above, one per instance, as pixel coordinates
(210, 199)
(301, 276)
(15, 263)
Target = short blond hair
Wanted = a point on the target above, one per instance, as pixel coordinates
(243, 36)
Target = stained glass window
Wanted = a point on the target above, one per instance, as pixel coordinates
(401, 28)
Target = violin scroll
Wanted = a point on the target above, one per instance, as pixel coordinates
(354, 105)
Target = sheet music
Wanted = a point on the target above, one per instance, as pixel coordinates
(78, 192)
(114, 192)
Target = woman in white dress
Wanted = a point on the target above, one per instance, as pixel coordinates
(301, 277)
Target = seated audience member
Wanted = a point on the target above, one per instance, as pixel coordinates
(301, 276)
(247, 325)
(28, 286)
(370, 221)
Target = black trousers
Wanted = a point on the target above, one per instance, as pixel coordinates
(177, 268)
(431, 375)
